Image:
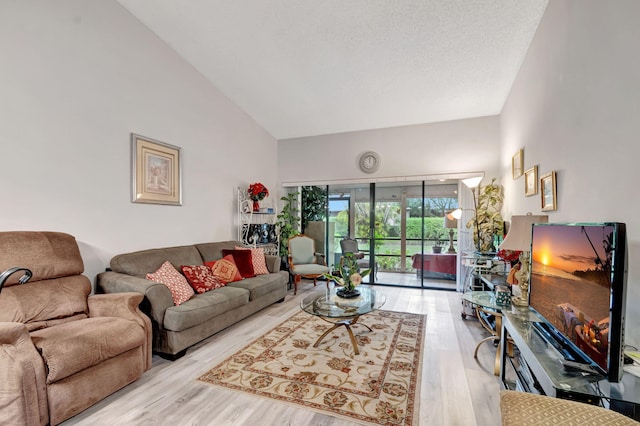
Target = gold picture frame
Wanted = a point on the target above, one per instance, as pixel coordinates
(531, 181)
(156, 171)
(517, 164)
(548, 192)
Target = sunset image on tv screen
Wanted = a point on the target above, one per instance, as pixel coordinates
(570, 282)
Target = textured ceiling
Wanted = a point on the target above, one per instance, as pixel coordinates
(310, 67)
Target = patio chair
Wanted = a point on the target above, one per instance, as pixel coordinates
(303, 260)
(350, 245)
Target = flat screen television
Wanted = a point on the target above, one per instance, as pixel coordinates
(578, 286)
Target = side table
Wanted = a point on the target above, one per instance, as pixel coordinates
(485, 306)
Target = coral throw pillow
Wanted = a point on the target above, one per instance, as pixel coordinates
(201, 278)
(225, 269)
(258, 260)
(242, 259)
(177, 284)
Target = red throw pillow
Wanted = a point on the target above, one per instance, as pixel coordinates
(225, 269)
(258, 260)
(168, 275)
(243, 261)
(201, 278)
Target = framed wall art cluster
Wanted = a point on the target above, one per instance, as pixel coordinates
(545, 185)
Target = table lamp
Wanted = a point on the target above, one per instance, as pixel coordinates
(450, 223)
(519, 239)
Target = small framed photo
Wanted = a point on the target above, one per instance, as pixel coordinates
(548, 191)
(156, 171)
(517, 164)
(531, 181)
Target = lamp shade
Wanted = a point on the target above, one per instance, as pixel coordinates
(450, 221)
(473, 182)
(519, 236)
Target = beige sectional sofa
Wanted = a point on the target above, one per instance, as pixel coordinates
(175, 328)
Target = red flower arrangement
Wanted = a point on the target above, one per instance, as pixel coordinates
(510, 256)
(257, 191)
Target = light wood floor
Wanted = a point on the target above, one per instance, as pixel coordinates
(456, 389)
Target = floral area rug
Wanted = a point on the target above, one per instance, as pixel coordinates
(378, 386)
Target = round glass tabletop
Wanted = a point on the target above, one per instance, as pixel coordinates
(328, 304)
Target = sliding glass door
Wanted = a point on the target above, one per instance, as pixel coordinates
(395, 227)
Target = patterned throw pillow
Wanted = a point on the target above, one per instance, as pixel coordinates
(201, 278)
(177, 284)
(258, 260)
(225, 269)
(242, 259)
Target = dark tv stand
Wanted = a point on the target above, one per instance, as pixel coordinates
(530, 363)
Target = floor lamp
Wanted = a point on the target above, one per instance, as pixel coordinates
(519, 239)
(472, 184)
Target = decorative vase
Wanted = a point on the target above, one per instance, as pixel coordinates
(256, 205)
(437, 249)
(347, 293)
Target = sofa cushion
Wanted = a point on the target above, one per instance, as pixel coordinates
(74, 346)
(225, 269)
(201, 278)
(243, 261)
(180, 289)
(213, 251)
(261, 284)
(202, 307)
(140, 263)
(257, 259)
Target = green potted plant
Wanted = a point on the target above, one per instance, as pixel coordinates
(437, 236)
(488, 221)
(287, 223)
(349, 277)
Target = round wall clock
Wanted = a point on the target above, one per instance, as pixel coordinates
(369, 162)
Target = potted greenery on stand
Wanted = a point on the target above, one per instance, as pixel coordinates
(488, 221)
(288, 222)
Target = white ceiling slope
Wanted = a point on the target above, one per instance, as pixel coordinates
(311, 67)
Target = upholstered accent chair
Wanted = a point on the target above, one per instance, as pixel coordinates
(61, 349)
(303, 260)
(526, 409)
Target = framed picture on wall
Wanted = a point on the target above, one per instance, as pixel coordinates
(548, 191)
(531, 181)
(517, 164)
(156, 171)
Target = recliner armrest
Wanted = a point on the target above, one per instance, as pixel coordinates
(23, 392)
(123, 305)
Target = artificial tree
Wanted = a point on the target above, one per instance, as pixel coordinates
(488, 221)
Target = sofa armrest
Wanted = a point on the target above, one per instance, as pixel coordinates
(273, 263)
(23, 392)
(123, 305)
(157, 296)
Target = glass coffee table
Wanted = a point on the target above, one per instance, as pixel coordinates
(342, 312)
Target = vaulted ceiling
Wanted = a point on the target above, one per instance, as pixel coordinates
(311, 67)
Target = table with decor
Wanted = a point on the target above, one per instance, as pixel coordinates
(341, 311)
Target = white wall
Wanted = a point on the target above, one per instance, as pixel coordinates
(77, 77)
(450, 147)
(574, 108)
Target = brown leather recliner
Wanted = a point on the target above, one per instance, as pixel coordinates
(62, 349)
